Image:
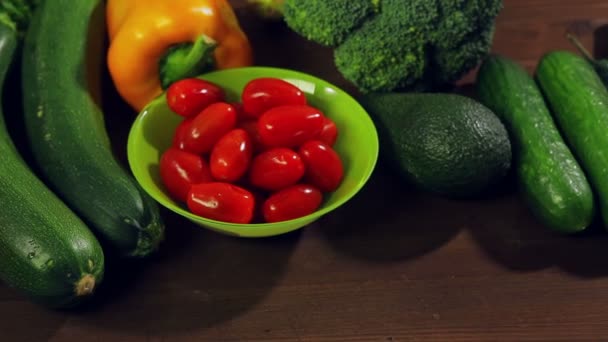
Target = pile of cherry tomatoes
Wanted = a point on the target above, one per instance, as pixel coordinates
(266, 158)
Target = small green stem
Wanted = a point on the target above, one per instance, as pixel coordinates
(6, 20)
(580, 47)
(187, 60)
(19, 12)
(267, 9)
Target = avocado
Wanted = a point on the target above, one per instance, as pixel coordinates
(444, 143)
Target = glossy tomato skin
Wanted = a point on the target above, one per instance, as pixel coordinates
(275, 169)
(251, 127)
(179, 170)
(292, 202)
(222, 202)
(180, 132)
(231, 156)
(261, 94)
(208, 127)
(189, 96)
(290, 126)
(329, 132)
(324, 167)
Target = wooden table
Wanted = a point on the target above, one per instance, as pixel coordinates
(394, 264)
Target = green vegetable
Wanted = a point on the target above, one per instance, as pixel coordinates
(46, 252)
(18, 13)
(389, 45)
(600, 66)
(553, 183)
(186, 60)
(579, 102)
(267, 9)
(443, 143)
(327, 22)
(66, 131)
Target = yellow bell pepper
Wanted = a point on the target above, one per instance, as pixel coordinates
(156, 42)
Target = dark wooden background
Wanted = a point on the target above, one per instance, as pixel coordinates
(394, 264)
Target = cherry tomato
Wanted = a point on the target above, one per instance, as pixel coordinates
(290, 126)
(179, 170)
(324, 167)
(231, 155)
(180, 132)
(208, 127)
(329, 132)
(251, 127)
(261, 94)
(221, 201)
(275, 169)
(189, 96)
(240, 113)
(292, 202)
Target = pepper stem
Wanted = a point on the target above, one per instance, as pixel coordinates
(187, 60)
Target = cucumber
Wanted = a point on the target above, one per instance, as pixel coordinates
(66, 132)
(551, 179)
(579, 102)
(47, 252)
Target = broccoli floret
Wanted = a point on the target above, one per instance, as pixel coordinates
(421, 14)
(326, 22)
(461, 19)
(380, 64)
(453, 63)
(399, 44)
(378, 55)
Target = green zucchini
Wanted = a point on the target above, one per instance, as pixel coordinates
(551, 179)
(579, 102)
(46, 251)
(66, 132)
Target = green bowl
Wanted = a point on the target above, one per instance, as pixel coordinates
(357, 145)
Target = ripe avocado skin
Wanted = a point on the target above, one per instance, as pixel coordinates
(447, 144)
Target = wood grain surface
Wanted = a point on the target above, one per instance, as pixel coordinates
(393, 264)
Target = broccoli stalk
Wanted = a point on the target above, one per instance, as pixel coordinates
(386, 45)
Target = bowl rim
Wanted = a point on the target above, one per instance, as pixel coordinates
(262, 229)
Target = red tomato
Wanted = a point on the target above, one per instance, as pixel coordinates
(251, 127)
(240, 113)
(221, 201)
(231, 155)
(276, 169)
(264, 93)
(323, 165)
(329, 132)
(290, 126)
(180, 132)
(292, 202)
(189, 96)
(208, 127)
(179, 170)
